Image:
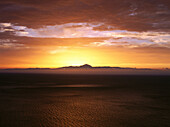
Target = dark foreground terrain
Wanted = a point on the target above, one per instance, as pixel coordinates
(42, 100)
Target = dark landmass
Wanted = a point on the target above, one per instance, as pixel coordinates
(87, 66)
(88, 69)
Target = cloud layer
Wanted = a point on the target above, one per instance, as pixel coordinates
(132, 15)
(122, 38)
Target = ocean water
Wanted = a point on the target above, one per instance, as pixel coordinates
(49, 100)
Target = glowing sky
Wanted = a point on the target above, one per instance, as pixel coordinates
(125, 33)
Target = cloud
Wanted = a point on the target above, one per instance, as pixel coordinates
(131, 15)
(6, 44)
(68, 30)
(122, 38)
(59, 49)
(137, 40)
(13, 46)
(5, 24)
(127, 23)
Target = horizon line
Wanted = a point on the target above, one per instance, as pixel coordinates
(121, 67)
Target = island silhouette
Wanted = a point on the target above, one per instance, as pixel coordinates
(88, 69)
(87, 66)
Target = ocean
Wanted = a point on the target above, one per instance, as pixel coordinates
(53, 100)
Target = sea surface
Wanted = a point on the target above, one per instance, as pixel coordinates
(51, 100)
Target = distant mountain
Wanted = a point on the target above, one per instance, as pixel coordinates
(87, 66)
(88, 69)
(82, 66)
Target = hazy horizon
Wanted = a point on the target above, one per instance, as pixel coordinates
(124, 67)
(90, 70)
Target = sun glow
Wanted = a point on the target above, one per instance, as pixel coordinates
(78, 57)
(76, 61)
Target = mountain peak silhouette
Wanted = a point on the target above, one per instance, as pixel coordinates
(86, 66)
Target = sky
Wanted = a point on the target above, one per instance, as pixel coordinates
(56, 33)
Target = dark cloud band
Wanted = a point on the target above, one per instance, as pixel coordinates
(132, 15)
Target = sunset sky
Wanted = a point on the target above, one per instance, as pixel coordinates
(56, 33)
